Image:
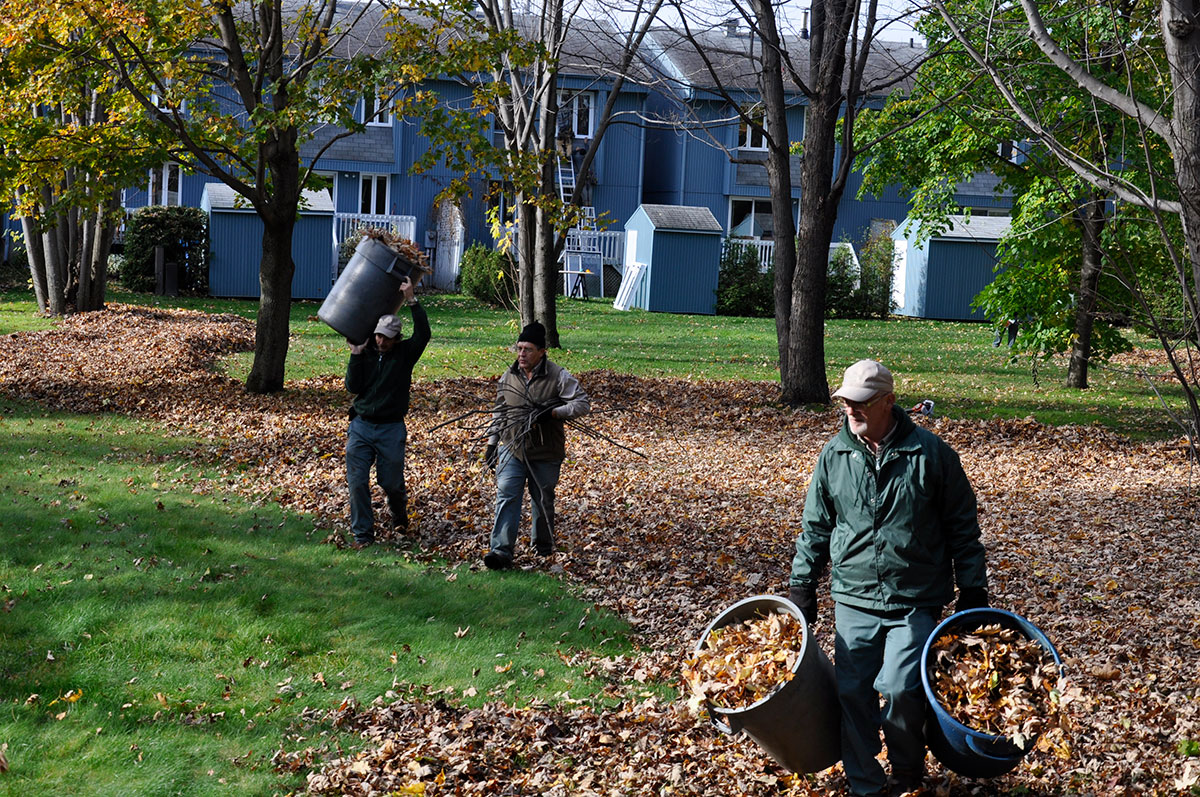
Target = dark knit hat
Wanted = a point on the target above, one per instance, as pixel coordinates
(533, 333)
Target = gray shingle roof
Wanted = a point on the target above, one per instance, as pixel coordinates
(977, 228)
(682, 218)
(734, 59)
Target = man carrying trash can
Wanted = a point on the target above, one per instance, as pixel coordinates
(891, 509)
(380, 376)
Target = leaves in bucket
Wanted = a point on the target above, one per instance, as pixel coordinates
(742, 663)
(996, 681)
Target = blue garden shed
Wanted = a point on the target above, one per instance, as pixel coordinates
(937, 276)
(672, 259)
(235, 244)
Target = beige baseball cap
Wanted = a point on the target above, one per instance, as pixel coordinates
(865, 380)
(389, 326)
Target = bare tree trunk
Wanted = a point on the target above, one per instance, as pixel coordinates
(526, 247)
(1091, 220)
(806, 381)
(278, 214)
(779, 178)
(274, 307)
(36, 256)
(53, 249)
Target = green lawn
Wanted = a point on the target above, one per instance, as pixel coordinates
(162, 637)
(952, 363)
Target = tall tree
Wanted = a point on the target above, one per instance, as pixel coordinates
(833, 72)
(240, 87)
(512, 58)
(1161, 114)
(69, 144)
(955, 126)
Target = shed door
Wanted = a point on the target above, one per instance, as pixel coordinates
(958, 271)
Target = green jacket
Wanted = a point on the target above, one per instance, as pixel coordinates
(898, 533)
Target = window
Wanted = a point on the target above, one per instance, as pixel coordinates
(751, 218)
(163, 188)
(501, 200)
(374, 194)
(332, 177)
(575, 113)
(377, 111)
(497, 134)
(753, 136)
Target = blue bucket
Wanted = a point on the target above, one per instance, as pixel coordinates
(959, 748)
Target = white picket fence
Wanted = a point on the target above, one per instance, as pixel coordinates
(766, 250)
(345, 225)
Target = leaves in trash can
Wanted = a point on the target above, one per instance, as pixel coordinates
(742, 663)
(995, 680)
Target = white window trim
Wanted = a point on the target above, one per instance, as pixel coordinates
(749, 139)
(568, 103)
(375, 180)
(755, 201)
(368, 104)
(162, 177)
(333, 185)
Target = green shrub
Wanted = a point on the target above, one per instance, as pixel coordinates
(876, 266)
(841, 282)
(14, 272)
(743, 288)
(862, 289)
(489, 276)
(183, 234)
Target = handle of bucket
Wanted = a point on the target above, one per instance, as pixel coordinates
(973, 744)
(721, 726)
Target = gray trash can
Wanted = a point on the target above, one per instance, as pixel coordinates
(368, 288)
(798, 725)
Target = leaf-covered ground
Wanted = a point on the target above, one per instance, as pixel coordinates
(1091, 537)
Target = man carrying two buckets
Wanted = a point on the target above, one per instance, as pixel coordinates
(891, 510)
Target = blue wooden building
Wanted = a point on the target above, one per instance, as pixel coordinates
(938, 274)
(700, 153)
(680, 250)
(235, 245)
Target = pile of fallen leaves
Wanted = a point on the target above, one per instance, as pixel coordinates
(1087, 534)
(995, 680)
(404, 247)
(743, 663)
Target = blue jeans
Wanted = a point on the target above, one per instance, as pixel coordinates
(381, 444)
(879, 653)
(512, 476)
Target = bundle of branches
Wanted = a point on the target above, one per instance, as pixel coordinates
(995, 680)
(742, 663)
(404, 247)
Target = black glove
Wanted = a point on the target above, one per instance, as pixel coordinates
(971, 598)
(806, 601)
(490, 456)
(544, 412)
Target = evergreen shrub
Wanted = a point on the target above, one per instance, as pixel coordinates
(183, 234)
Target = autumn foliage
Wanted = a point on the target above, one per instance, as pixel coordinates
(1088, 535)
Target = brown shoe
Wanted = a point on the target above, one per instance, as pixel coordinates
(359, 545)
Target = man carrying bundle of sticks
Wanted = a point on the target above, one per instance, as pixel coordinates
(527, 443)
